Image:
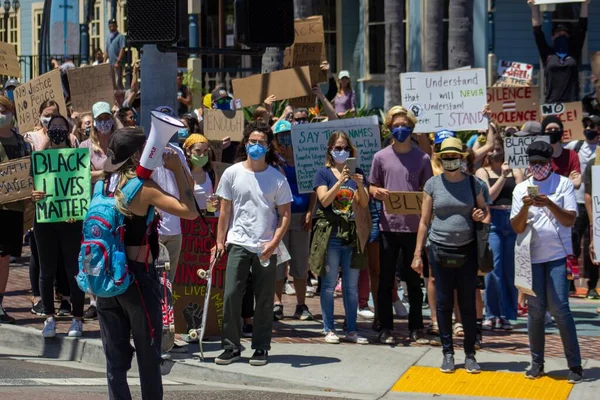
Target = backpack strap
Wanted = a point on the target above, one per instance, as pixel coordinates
(131, 188)
(98, 188)
(578, 146)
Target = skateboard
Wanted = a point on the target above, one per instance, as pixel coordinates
(206, 274)
(166, 290)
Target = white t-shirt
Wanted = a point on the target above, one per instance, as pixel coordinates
(170, 224)
(202, 191)
(545, 244)
(254, 197)
(586, 154)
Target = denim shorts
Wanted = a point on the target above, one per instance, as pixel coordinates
(375, 208)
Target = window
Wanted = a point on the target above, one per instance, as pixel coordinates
(37, 29)
(13, 29)
(330, 31)
(375, 37)
(96, 41)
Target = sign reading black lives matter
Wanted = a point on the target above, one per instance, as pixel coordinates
(515, 149)
(64, 175)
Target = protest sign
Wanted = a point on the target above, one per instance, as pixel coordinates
(64, 175)
(595, 64)
(310, 145)
(30, 95)
(538, 2)
(512, 73)
(89, 85)
(188, 289)
(515, 148)
(596, 210)
(15, 182)
(523, 274)
(9, 62)
(513, 105)
(364, 224)
(446, 99)
(217, 148)
(570, 114)
(219, 168)
(307, 30)
(284, 84)
(406, 203)
(307, 54)
(219, 124)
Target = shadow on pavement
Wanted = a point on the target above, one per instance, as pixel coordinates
(298, 361)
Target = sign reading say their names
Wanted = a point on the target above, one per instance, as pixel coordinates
(64, 175)
(596, 209)
(513, 105)
(570, 114)
(30, 95)
(310, 145)
(15, 182)
(219, 124)
(9, 62)
(404, 203)
(446, 99)
(515, 149)
(89, 85)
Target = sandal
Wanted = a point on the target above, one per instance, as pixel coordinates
(458, 330)
(433, 329)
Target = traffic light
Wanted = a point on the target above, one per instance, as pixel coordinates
(156, 21)
(264, 23)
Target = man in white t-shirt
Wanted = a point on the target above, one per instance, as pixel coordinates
(255, 214)
(586, 150)
(550, 215)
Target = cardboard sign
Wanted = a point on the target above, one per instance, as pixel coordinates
(15, 182)
(523, 274)
(364, 223)
(446, 99)
(308, 30)
(89, 85)
(512, 73)
(570, 114)
(30, 95)
(217, 148)
(219, 124)
(515, 149)
(285, 84)
(406, 203)
(596, 209)
(538, 2)
(9, 62)
(310, 146)
(307, 54)
(513, 105)
(65, 176)
(219, 168)
(188, 289)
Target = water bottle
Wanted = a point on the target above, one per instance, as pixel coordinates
(264, 263)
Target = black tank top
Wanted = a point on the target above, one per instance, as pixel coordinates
(505, 196)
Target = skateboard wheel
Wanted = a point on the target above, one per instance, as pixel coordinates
(193, 334)
(201, 273)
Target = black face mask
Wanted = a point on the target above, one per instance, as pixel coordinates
(590, 134)
(555, 136)
(561, 45)
(57, 135)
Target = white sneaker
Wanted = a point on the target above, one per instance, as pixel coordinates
(310, 292)
(354, 337)
(332, 338)
(314, 282)
(366, 313)
(289, 289)
(49, 330)
(400, 309)
(76, 329)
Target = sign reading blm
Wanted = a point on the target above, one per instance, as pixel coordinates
(64, 175)
(447, 99)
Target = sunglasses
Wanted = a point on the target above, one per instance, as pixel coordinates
(340, 148)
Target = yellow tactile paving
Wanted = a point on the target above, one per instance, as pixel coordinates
(488, 384)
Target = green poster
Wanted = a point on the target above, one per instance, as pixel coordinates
(65, 176)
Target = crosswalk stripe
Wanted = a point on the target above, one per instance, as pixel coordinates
(70, 382)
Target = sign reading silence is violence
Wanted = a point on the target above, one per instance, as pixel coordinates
(64, 175)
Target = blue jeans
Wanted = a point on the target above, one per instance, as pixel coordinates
(500, 290)
(339, 256)
(551, 286)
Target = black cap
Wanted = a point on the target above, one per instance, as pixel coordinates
(593, 119)
(540, 151)
(123, 144)
(551, 119)
(219, 94)
(112, 21)
(560, 28)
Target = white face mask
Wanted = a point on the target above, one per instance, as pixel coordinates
(6, 120)
(452, 164)
(44, 121)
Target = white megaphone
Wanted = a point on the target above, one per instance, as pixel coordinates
(162, 128)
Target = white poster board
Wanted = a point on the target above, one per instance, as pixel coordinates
(516, 73)
(310, 146)
(447, 99)
(596, 209)
(523, 273)
(515, 149)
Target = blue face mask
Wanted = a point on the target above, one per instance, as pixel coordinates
(223, 106)
(255, 151)
(561, 46)
(183, 133)
(10, 95)
(401, 133)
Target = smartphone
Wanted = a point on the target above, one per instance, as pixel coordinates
(533, 191)
(351, 164)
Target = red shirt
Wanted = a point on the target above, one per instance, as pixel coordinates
(567, 162)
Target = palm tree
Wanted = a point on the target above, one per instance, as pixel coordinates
(395, 49)
(272, 60)
(460, 34)
(434, 35)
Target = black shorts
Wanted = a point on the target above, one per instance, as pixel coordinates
(11, 234)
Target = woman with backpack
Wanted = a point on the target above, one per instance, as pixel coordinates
(137, 311)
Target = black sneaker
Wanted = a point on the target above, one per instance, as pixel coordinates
(227, 357)
(91, 313)
(575, 375)
(64, 309)
(448, 364)
(418, 336)
(302, 313)
(593, 294)
(259, 358)
(5, 318)
(278, 312)
(247, 330)
(38, 308)
(478, 341)
(471, 365)
(536, 371)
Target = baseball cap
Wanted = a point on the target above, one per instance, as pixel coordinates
(282, 126)
(166, 110)
(112, 21)
(100, 108)
(443, 134)
(123, 144)
(530, 128)
(591, 119)
(12, 82)
(219, 94)
(344, 74)
(560, 28)
(540, 151)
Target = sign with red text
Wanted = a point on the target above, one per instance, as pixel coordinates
(511, 73)
(188, 289)
(513, 105)
(446, 99)
(570, 114)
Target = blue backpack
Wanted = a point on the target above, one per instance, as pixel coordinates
(103, 269)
